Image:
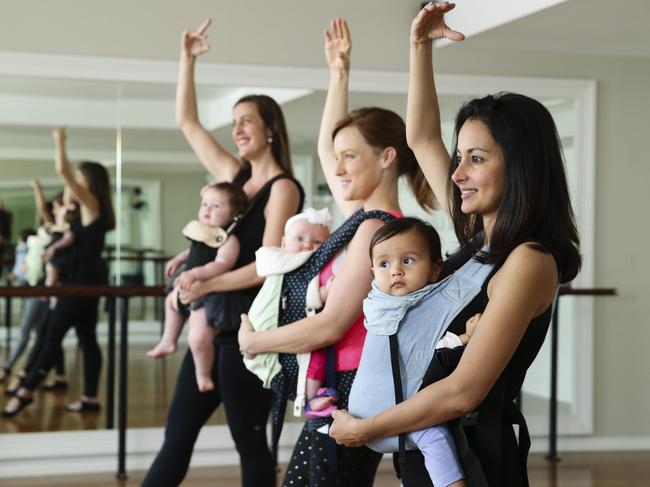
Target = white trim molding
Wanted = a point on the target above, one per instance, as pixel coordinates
(78, 452)
(583, 92)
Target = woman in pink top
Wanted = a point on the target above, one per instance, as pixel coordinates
(363, 154)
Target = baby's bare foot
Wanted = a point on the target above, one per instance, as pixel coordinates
(204, 382)
(161, 350)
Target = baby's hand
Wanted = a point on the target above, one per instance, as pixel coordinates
(471, 324)
(185, 280)
(325, 290)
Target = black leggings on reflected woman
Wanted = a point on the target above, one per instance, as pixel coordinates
(246, 404)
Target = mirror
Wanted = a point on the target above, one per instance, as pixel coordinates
(160, 179)
(31, 109)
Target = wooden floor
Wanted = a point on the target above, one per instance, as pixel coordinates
(575, 470)
(150, 387)
(151, 384)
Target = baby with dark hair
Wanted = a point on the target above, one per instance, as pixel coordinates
(406, 259)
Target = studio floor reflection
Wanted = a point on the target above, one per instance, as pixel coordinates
(150, 387)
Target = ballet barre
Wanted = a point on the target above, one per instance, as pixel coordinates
(114, 295)
(552, 420)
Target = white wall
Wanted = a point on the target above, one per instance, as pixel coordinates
(622, 392)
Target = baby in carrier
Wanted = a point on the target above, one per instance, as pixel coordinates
(212, 252)
(59, 253)
(303, 234)
(406, 259)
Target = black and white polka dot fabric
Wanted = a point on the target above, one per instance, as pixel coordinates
(292, 308)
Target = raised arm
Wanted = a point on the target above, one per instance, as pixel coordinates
(86, 199)
(342, 308)
(423, 132)
(218, 161)
(338, 45)
(41, 203)
(521, 290)
(283, 203)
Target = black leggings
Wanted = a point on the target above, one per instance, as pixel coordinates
(82, 314)
(355, 467)
(37, 349)
(247, 407)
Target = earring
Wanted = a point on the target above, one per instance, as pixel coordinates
(269, 139)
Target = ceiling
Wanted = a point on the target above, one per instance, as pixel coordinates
(283, 32)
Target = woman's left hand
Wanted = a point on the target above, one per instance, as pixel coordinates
(245, 336)
(348, 430)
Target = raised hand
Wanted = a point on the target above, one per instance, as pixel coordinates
(58, 134)
(338, 45)
(194, 43)
(430, 24)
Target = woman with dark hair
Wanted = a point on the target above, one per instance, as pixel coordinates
(90, 188)
(363, 154)
(263, 170)
(507, 194)
(35, 309)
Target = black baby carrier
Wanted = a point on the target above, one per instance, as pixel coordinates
(292, 308)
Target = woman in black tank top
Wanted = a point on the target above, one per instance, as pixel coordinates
(263, 170)
(90, 187)
(509, 191)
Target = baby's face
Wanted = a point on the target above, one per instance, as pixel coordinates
(215, 208)
(302, 235)
(402, 264)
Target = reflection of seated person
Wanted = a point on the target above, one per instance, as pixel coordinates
(206, 258)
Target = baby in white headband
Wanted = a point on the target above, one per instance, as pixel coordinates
(303, 234)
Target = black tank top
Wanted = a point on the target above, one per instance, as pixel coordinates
(251, 229)
(89, 266)
(200, 254)
(489, 432)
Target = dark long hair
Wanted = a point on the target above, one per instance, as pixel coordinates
(273, 118)
(99, 184)
(383, 128)
(536, 206)
(403, 225)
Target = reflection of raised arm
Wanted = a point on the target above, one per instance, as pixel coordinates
(219, 162)
(338, 45)
(84, 196)
(41, 203)
(423, 130)
(342, 308)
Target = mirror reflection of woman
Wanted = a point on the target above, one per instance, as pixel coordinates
(35, 309)
(262, 167)
(90, 187)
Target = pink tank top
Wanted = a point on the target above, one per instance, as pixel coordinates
(348, 348)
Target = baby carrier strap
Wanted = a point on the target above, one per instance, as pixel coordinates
(292, 308)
